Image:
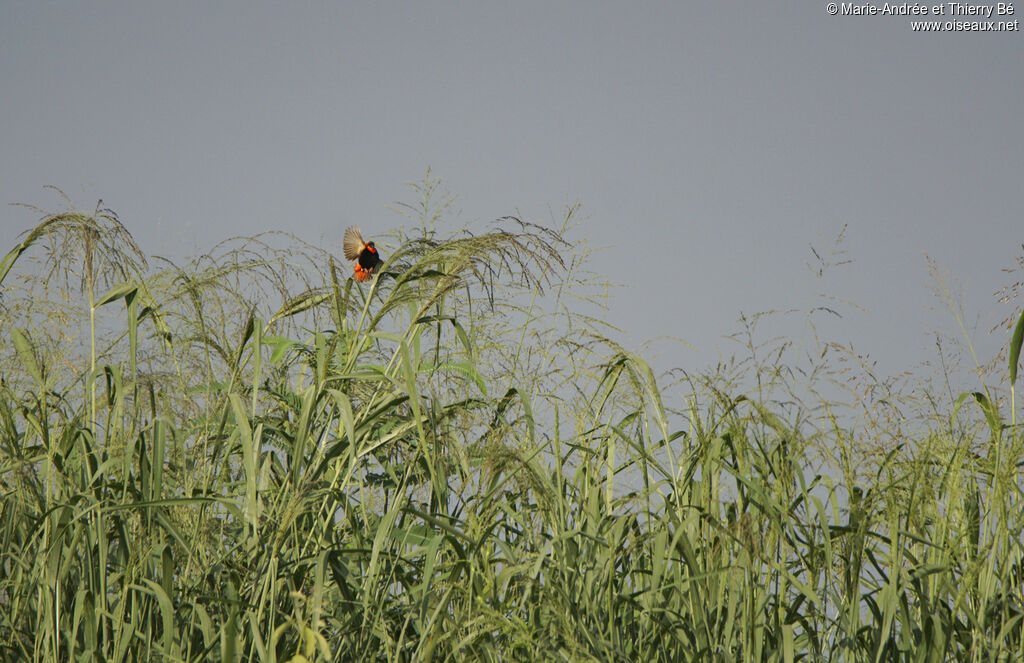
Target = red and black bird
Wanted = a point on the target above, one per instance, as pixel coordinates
(364, 253)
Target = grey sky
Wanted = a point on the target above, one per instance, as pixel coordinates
(718, 139)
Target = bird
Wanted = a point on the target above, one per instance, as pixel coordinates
(364, 253)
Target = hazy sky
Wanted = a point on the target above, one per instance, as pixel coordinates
(710, 143)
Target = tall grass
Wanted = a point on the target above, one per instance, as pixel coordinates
(253, 457)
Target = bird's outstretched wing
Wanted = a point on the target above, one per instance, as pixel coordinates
(353, 242)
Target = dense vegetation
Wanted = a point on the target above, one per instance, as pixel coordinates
(252, 457)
